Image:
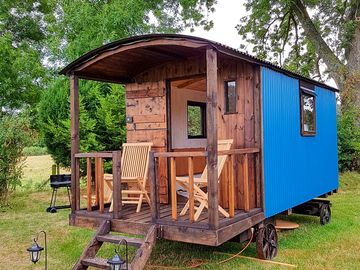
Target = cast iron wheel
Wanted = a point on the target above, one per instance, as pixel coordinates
(325, 214)
(53, 210)
(267, 242)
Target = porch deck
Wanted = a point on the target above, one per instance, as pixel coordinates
(180, 230)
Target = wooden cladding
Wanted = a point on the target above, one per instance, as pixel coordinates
(146, 106)
(243, 126)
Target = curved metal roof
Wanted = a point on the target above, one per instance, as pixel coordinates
(216, 45)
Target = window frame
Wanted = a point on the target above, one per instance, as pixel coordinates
(309, 90)
(202, 106)
(226, 95)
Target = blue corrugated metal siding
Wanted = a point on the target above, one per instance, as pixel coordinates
(296, 168)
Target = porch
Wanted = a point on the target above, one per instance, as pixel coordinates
(174, 225)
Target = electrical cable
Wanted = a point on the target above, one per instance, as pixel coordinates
(204, 263)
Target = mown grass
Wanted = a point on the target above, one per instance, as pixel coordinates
(37, 170)
(335, 246)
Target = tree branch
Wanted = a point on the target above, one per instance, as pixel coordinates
(335, 66)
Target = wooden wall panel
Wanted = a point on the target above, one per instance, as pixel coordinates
(146, 104)
(243, 126)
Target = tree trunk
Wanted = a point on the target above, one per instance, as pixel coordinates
(350, 95)
(335, 66)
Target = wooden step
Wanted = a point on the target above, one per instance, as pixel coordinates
(115, 239)
(96, 262)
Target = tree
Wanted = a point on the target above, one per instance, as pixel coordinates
(22, 35)
(14, 136)
(305, 36)
(79, 26)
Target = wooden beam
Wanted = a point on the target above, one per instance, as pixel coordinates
(88, 184)
(75, 141)
(94, 245)
(190, 82)
(180, 154)
(94, 155)
(144, 252)
(239, 151)
(116, 170)
(211, 128)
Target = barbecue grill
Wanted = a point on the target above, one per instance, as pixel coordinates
(56, 182)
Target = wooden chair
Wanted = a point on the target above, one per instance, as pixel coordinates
(107, 193)
(134, 171)
(201, 182)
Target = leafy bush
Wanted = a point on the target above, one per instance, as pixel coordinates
(102, 118)
(348, 141)
(14, 136)
(35, 151)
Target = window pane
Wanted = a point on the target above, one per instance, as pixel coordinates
(308, 112)
(230, 97)
(196, 119)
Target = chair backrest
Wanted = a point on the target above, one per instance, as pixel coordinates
(223, 145)
(135, 160)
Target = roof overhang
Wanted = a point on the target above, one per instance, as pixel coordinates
(121, 60)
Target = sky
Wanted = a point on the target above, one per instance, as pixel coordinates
(226, 16)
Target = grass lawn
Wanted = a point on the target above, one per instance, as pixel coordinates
(36, 172)
(335, 246)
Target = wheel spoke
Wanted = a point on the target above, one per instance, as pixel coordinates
(266, 247)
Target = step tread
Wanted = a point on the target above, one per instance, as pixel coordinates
(96, 262)
(115, 239)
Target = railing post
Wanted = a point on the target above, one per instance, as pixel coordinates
(173, 188)
(191, 190)
(258, 179)
(99, 178)
(117, 196)
(75, 166)
(246, 183)
(88, 184)
(153, 188)
(231, 187)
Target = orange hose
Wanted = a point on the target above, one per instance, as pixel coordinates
(203, 263)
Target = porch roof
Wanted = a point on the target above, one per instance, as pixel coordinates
(121, 60)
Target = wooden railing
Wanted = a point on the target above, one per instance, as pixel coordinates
(190, 160)
(98, 191)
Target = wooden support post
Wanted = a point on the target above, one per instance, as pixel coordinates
(191, 189)
(88, 183)
(258, 180)
(173, 188)
(153, 189)
(75, 168)
(116, 170)
(231, 187)
(246, 183)
(211, 128)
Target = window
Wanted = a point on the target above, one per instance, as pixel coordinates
(196, 119)
(308, 109)
(230, 97)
